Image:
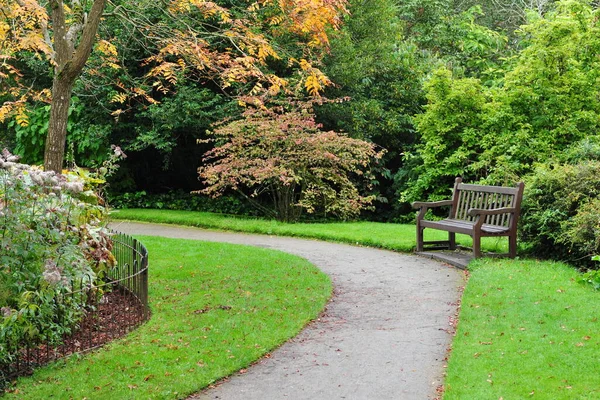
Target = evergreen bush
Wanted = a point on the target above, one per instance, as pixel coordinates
(561, 212)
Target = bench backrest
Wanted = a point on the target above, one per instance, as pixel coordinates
(467, 196)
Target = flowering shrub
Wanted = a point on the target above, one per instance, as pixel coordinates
(284, 156)
(53, 250)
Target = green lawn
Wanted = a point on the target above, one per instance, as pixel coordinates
(216, 308)
(398, 237)
(527, 329)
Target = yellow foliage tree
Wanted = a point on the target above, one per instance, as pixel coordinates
(64, 32)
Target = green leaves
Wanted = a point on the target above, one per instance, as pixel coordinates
(451, 130)
(592, 277)
(544, 100)
(561, 210)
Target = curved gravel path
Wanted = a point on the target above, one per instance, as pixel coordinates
(384, 335)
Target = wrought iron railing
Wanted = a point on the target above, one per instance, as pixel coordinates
(112, 310)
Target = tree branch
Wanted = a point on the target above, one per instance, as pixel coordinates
(60, 35)
(88, 36)
(268, 212)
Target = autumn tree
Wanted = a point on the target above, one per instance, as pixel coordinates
(65, 36)
(72, 47)
(280, 154)
(223, 45)
(18, 36)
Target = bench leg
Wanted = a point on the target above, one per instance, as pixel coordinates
(476, 246)
(419, 237)
(452, 240)
(512, 246)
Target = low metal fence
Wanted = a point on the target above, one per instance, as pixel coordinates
(111, 310)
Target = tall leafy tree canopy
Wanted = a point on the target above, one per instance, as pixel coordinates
(480, 89)
(225, 44)
(545, 101)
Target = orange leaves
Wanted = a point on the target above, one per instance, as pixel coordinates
(251, 44)
(194, 53)
(109, 54)
(43, 95)
(265, 51)
(20, 30)
(315, 80)
(310, 18)
(166, 72)
(180, 52)
(276, 84)
(20, 26)
(17, 108)
(7, 70)
(27, 13)
(35, 42)
(22, 118)
(107, 48)
(313, 85)
(118, 98)
(245, 52)
(5, 111)
(11, 89)
(127, 95)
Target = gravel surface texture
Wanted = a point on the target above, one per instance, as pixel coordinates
(385, 334)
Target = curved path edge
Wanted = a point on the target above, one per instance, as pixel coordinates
(384, 335)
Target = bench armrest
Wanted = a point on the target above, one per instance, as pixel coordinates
(423, 206)
(431, 204)
(473, 212)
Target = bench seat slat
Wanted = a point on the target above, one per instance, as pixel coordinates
(466, 227)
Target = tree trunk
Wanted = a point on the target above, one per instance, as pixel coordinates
(57, 127)
(70, 58)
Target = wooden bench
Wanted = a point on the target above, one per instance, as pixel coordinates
(475, 210)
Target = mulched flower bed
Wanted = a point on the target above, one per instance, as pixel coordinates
(117, 313)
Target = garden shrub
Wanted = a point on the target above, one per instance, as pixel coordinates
(281, 154)
(592, 277)
(53, 245)
(181, 200)
(586, 149)
(561, 212)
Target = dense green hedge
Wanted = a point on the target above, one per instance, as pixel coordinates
(180, 200)
(561, 209)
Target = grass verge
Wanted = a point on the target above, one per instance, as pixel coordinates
(216, 309)
(399, 237)
(527, 329)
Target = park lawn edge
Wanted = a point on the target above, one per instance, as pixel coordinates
(461, 382)
(389, 236)
(526, 329)
(193, 355)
